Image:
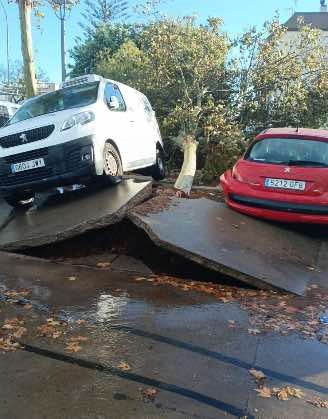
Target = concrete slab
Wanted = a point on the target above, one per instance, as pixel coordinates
(259, 253)
(72, 214)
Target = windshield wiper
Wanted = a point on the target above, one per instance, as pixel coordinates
(306, 163)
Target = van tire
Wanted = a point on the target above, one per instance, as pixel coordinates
(158, 170)
(19, 201)
(113, 170)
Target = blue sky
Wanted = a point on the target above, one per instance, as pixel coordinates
(238, 15)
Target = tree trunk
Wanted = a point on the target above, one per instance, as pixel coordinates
(25, 7)
(187, 174)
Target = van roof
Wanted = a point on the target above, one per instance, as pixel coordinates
(89, 78)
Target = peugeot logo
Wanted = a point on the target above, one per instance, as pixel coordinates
(287, 170)
(23, 137)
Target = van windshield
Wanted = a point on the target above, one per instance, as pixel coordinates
(290, 151)
(60, 100)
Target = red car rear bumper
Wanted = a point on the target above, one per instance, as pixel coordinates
(242, 198)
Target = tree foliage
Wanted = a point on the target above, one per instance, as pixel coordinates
(102, 12)
(280, 80)
(101, 44)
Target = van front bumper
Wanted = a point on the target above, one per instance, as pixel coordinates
(65, 164)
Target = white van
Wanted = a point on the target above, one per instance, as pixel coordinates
(90, 127)
(7, 110)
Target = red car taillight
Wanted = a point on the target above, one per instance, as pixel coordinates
(236, 175)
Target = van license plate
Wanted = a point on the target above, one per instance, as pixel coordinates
(27, 165)
(297, 185)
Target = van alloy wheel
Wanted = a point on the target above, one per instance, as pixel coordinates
(111, 164)
(113, 170)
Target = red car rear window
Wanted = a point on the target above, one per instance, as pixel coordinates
(290, 151)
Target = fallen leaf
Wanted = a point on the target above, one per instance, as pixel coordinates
(317, 402)
(78, 339)
(257, 374)
(281, 393)
(8, 345)
(264, 392)
(53, 322)
(124, 366)
(72, 278)
(73, 347)
(28, 306)
(150, 393)
(19, 332)
(103, 264)
(49, 331)
(140, 278)
(295, 392)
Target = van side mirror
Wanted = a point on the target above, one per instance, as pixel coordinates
(113, 103)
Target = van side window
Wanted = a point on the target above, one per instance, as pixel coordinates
(113, 90)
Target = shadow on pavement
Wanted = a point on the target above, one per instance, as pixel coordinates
(161, 385)
(222, 358)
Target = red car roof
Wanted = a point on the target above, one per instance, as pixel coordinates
(306, 133)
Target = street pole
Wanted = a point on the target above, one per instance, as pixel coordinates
(63, 47)
(7, 40)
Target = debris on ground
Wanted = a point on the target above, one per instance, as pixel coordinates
(74, 343)
(268, 310)
(283, 393)
(149, 394)
(11, 330)
(52, 329)
(320, 403)
(124, 366)
(258, 375)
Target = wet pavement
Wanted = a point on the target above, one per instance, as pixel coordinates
(152, 350)
(71, 214)
(259, 253)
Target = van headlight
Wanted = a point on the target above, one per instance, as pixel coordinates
(82, 118)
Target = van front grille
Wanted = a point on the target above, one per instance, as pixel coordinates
(25, 137)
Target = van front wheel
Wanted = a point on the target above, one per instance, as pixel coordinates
(113, 170)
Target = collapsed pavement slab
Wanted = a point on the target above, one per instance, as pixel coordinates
(72, 214)
(259, 253)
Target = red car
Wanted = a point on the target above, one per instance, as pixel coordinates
(283, 176)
